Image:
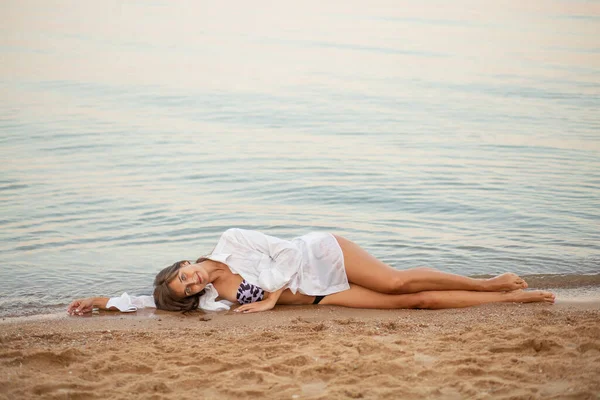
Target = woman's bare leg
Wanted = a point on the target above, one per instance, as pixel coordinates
(360, 297)
(287, 297)
(365, 270)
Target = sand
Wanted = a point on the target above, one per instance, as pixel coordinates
(499, 351)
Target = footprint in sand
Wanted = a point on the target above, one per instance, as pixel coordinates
(72, 390)
(46, 359)
(538, 345)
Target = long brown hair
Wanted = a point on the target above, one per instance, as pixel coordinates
(165, 299)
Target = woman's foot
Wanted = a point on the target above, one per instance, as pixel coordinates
(505, 282)
(530, 296)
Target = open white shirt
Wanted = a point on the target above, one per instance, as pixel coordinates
(312, 264)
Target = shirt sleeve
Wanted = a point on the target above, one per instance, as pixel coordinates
(208, 301)
(285, 256)
(127, 303)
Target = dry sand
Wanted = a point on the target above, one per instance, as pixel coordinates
(499, 351)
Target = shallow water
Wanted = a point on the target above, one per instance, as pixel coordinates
(462, 136)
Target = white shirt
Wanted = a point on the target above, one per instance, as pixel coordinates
(312, 264)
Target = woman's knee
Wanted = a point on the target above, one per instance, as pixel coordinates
(418, 300)
(395, 284)
(404, 280)
(429, 300)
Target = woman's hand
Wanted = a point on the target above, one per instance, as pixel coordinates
(81, 306)
(257, 306)
(265, 304)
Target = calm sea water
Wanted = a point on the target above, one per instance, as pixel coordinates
(459, 135)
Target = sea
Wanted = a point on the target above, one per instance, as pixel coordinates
(461, 135)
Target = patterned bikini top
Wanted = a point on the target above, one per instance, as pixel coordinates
(248, 293)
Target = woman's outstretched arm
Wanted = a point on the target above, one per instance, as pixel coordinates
(123, 303)
(83, 306)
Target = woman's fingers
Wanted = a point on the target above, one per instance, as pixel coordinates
(74, 304)
(83, 308)
(247, 308)
(80, 306)
(254, 307)
(243, 308)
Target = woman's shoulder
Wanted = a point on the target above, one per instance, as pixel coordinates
(232, 238)
(229, 234)
(234, 232)
(239, 234)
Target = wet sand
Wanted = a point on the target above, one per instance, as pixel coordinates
(499, 351)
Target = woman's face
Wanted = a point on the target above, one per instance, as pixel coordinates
(190, 279)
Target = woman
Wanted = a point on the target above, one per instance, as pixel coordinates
(259, 271)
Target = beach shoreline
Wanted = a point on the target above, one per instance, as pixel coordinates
(491, 351)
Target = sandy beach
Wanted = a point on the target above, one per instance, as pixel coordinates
(500, 351)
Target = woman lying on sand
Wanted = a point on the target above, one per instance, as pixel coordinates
(259, 271)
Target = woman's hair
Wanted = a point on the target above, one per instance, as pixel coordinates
(165, 299)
